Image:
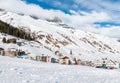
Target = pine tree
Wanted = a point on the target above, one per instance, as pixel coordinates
(8, 41)
(71, 52)
(4, 40)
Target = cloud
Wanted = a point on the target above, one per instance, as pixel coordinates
(113, 31)
(19, 6)
(80, 19)
(111, 7)
(86, 19)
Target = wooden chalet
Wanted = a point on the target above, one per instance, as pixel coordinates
(98, 63)
(64, 60)
(46, 59)
(11, 52)
(112, 64)
(53, 60)
(78, 62)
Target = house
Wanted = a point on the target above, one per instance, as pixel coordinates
(19, 43)
(1, 51)
(112, 64)
(105, 63)
(78, 62)
(98, 63)
(33, 57)
(5, 53)
(38, 58)
(86, 63)
(72, 62)
(64, 60)
(46, 58)
(91, 64)
(11, 52)
(13, 40)
(53, 60)
(21, 52)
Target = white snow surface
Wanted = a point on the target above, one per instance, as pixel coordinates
(13, 70)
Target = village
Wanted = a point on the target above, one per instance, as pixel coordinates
(104, 63)
(64, 60)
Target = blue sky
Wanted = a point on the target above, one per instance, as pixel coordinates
(62, 5)
(109, 6)
(98, 16)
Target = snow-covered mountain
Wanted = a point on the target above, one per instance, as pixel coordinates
(52, 37)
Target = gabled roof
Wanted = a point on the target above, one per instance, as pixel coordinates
(111, 61)
(1, 49)
(65, 57)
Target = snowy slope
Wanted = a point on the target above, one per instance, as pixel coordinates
(31, 47)
(26, 71)
(53, 37)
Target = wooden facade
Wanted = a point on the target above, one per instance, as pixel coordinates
(12, 52)
(112, 64)
(64, 60)
(40, 58)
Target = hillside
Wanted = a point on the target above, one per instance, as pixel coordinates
(50, 37)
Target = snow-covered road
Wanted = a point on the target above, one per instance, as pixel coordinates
(13, 70)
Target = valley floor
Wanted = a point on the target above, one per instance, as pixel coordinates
(14, 70)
